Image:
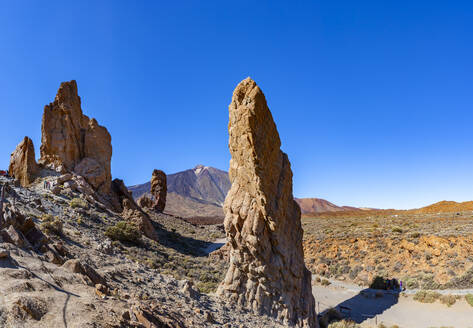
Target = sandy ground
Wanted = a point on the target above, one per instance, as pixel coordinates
(391, 309)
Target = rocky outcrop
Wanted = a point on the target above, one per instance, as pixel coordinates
(73, 142)
(23, 165)
(145, 202)
(131, 211)
(267, 273)
(159, 190)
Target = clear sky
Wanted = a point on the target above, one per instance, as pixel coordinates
(373, 99)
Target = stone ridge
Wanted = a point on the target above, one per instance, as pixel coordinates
(267, 273)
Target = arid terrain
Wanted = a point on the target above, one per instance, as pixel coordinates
(429, 248)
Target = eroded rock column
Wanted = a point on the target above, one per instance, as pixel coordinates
(267, 273)
(159, 190)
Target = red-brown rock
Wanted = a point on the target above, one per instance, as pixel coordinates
(23, 165)
(159, 190)
(73, 142)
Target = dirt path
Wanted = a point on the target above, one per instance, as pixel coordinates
(215, 245)
(363, 306)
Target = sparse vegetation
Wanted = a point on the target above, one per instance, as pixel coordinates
(51, 225)
(78, 203)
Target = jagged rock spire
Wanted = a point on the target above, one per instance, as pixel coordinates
(267, 273)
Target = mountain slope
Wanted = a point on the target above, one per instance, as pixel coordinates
(197, 192)
(201, 191)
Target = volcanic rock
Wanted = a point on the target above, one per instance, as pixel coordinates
(23, 163)
(131, 210)
(145, 202)
(267, 273)
(72, 141)
(159, 190)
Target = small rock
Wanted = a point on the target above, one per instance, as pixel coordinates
(102, 291)
(126, 315)
(4, 253)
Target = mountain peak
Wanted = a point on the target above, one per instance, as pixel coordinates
(199, 168)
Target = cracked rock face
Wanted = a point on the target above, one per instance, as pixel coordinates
(72, 141)
(267, 273)
(23, 163)
(159, 190)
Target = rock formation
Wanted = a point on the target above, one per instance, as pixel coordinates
(159, 190)
(267, 273)
(73, 142)
(145, 202)
(23, 163)
(131, 211)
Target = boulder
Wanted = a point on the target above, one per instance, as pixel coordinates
(159, 190)
(71, 141)
(267, 274)
(23, 165)
(145, 202)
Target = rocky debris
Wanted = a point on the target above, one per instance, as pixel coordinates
(188, 289)
(30, 307)
(102, 291)
(21, 231)
(76, 266)
(267, 273)
(23, 166)
(159, 190)
(131, 210)
(152, 318)
(145, 202)
(73, 142)
(72, 299)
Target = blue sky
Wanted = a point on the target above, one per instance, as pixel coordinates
(373, 99)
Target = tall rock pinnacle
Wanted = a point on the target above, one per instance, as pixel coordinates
(267, 273)
(159, 190)
(72, 141)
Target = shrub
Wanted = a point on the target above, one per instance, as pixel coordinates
(325, 282)
(448, 300)
(207, 287)
(424, 296)
(78, 202)
(469, 299)
(51, 225)
(124, 231)
(397, 230)
(343, 324)
(411, 283)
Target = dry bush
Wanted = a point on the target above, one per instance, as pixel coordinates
(51, 225)
(78, 203)
(448, 300)
(425, 296)
(124, 231)
(469, 299)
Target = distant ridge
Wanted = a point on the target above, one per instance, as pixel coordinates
(319, 205)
